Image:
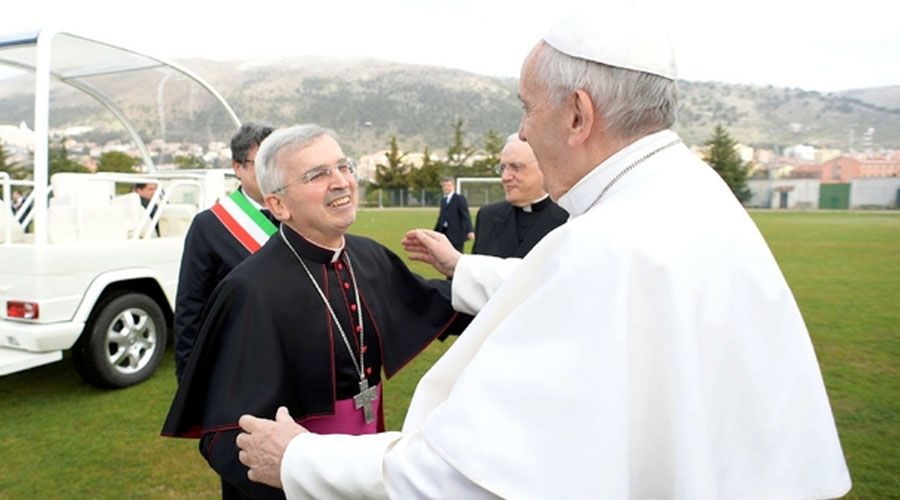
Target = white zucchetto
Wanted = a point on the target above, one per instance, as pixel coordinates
(621, 35)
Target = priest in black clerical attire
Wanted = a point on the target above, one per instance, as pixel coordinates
(511, 228)
(308, 321)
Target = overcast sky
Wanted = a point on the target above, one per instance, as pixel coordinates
(814, 45)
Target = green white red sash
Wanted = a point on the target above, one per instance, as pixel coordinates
(244, 221)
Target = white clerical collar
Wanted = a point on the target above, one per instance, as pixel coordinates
(582, 195)
(528, 208)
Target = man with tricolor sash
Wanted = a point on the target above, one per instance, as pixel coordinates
(219, 239)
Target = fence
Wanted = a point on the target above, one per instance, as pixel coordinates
(477, 194)
(860, 193)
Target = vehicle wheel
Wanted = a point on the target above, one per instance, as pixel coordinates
(122, 343)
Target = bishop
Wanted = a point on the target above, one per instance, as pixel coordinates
(310, 320)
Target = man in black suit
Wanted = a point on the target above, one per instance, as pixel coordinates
(213, 248)
(513, 227)
(454, 219)
(145, 192)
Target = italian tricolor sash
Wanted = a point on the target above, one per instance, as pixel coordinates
(247, 224)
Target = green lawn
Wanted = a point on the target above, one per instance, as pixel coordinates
(844, 269)
(61, 438)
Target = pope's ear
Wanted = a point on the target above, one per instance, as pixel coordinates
(274, 204)
(583, 117)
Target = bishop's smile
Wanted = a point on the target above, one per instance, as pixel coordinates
(340, 201)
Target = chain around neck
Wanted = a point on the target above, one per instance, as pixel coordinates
(629, 168)
(360, 366)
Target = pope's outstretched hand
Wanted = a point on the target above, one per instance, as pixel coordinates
(433, 248)
(263, 443)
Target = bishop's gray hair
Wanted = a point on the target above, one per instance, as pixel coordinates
(632, 103)
(268, 174)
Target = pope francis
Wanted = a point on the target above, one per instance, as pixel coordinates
(649, 348)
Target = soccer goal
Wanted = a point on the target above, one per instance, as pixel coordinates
(480, 191)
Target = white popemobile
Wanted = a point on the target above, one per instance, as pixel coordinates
(84, 266)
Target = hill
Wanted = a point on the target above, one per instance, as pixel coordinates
(884, 97)
(367, 101)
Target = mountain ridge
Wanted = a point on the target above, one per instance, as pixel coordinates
(368, 100)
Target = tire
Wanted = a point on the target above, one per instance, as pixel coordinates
(123, 342)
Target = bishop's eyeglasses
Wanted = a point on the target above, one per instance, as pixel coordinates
(323, 174)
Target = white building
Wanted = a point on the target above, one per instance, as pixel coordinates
(801, 152)
(784, 193)
(20, 137)
(875, 192)
(745, 152)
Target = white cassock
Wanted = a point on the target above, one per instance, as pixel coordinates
(648, 348)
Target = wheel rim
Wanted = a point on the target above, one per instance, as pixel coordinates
(131, 341)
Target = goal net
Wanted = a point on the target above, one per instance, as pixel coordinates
(480, 191)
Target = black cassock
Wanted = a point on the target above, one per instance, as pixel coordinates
(503, 230)
(268, 340)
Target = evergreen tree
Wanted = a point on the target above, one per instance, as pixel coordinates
(395, 174)
(493, 145)
(116, 161)
(14, 170)
(484, 166)
(459, 152)
(428, 176)
(5, 164)
(58, 161)
(723, 158)
(190, 162)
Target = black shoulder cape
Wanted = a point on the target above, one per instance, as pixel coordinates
(267, 339)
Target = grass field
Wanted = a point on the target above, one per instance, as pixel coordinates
(61, 438)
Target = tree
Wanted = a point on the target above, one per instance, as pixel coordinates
(459, 152)
(58, 161)
(5, 164)
(493, 145)
(116, 161)
(723, 158)
(190, 162)
(428, 176)
(14, 170)
(484, 166)
(395, 174)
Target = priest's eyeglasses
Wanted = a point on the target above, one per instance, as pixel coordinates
(345, 167)
(513, 167)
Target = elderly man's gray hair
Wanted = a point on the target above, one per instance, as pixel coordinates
(269, 176)
(632, 103)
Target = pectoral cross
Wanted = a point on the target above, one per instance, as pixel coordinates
(365, 398)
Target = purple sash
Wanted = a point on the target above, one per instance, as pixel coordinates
(346, 419)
